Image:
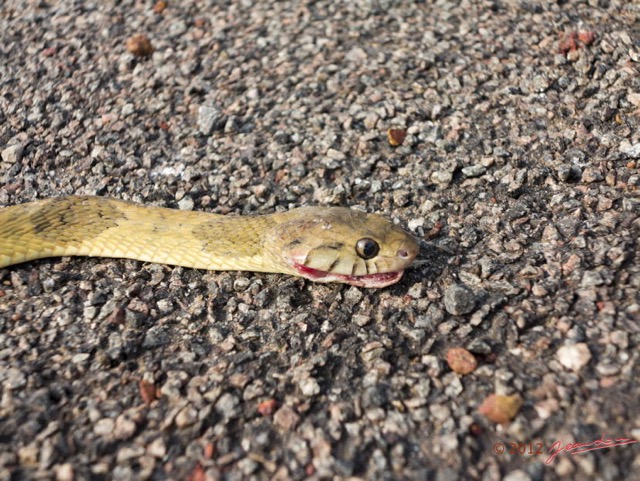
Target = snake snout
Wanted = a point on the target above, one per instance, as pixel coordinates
(408, 250)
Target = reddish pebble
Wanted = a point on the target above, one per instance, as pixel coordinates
(586, 37)
(147, 391)
(396, 136)
(139, 45)
(209, 451)
(501, 409)
(461, 361)
(267, 408)
(198, 474)
(159, 6)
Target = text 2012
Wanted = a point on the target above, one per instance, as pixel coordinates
(523, 449)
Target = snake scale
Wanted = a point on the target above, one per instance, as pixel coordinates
(323, 244)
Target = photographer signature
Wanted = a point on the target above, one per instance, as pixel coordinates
(577, 448)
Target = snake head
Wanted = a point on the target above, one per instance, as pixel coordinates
(336, 244)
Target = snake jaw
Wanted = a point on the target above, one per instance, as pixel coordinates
(371, 281)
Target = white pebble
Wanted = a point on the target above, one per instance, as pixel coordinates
(574, 356)
(13, 153)
(104, 426)
(309, 386)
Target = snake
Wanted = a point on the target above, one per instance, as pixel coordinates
(322, 244)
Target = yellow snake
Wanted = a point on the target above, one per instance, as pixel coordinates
(324, 244)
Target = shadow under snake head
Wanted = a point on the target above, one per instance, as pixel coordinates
(341, 245)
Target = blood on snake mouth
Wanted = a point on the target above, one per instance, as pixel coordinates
(370, 280)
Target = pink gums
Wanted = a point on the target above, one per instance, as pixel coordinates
(369, 280)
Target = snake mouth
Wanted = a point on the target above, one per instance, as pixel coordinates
(381, 279)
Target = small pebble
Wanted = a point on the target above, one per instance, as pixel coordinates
(574, 356)
(228, 405)
(104, 426)
(591, 174)
(13, 153)
(442, 177)
(139, 45)
(474, 170)
(186, 417)
(632, 150)
(336, 155)
(209, 118)
(241, 284)
(371, 120)
(157, 448)
(516, 475)
(286, 418)
(309, 387)
(124, 427)
(459, 300)
(64, 472)
(186, 203)
(461, 361)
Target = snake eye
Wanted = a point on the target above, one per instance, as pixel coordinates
(367, 248)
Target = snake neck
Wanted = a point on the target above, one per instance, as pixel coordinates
(235, 243)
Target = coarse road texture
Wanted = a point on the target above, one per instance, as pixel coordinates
(519, 173)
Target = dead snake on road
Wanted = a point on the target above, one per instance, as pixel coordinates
(324, 244)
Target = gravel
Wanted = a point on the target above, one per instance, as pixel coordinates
(518, 172)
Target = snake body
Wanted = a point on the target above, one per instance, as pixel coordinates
(324, 244)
